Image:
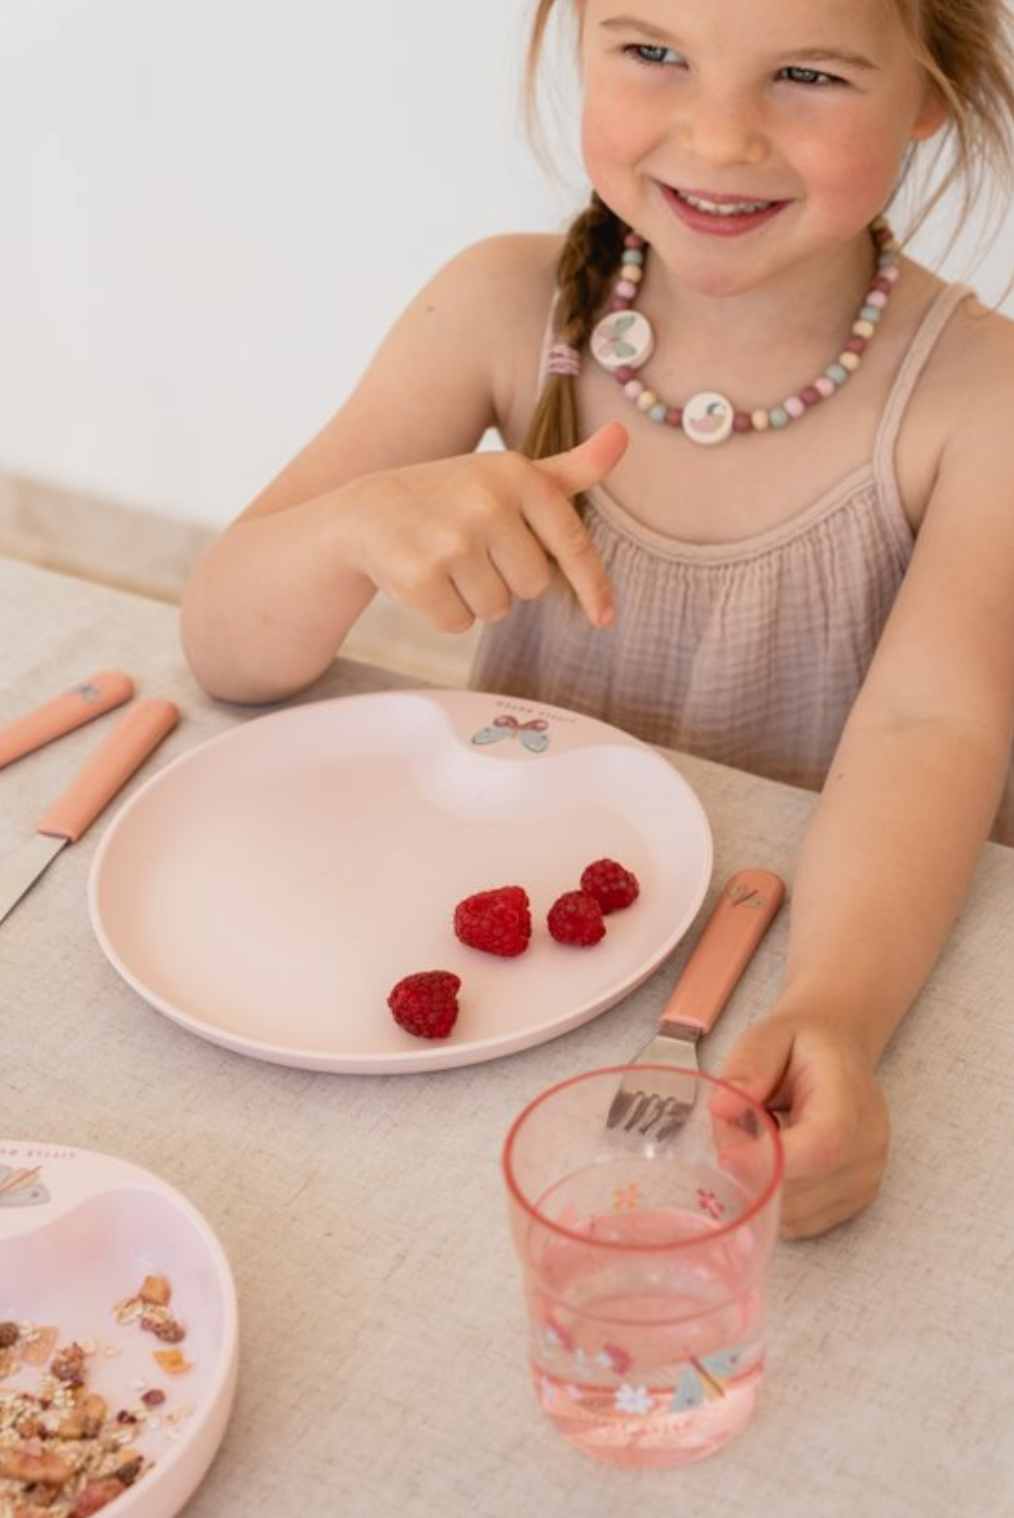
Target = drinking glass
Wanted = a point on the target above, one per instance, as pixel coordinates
(645, 1258)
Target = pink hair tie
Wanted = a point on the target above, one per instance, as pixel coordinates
(562, 359)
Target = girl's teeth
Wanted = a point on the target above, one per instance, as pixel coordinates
(727, 208)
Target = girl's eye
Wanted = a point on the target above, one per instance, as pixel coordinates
(817, 77)
(653, 55)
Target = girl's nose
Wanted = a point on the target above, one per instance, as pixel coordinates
(722, 131)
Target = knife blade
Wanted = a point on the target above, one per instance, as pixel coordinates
(133, 738)
(87, 699)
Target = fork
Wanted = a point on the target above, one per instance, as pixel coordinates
(748, 904)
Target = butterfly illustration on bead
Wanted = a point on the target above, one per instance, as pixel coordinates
(532, 735)
(704, 1379)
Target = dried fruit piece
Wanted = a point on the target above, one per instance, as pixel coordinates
(155, 1290)
(497, 921)
(426, 1004)
(613, 885)
(172, 1361)
(576, 918)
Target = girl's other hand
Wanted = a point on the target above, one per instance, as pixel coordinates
(833, 1116)
(457, 539)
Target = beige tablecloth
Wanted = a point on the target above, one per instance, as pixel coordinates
(383, 1371)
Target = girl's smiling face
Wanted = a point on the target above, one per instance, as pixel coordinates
(738, 137)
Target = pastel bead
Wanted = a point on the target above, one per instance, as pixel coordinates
(836, 373)
(633, 255)
(863, 329)
(795, 406)
(741, 422)
(877, 298)
(855, 345)
(659, 411)
(633, 240)
(779, 416)
(890, 273)
(631, 273)
(624, 373)
(633, 390)
(849, 361)
(759, 420)
(646, 400)
(674, 416)
(870, 314)
(825, 387)
(626, 289)
(810, 396)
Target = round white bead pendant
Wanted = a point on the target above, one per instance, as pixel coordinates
(622, 338)
(707, 418)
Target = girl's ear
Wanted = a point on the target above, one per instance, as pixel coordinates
(932, 115)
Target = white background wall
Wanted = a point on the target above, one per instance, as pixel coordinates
(211, 210)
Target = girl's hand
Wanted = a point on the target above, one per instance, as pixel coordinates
(457, 539)
(832, 1111)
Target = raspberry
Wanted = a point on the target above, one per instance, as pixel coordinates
(575, 917)
(499, 922)
(426, 1004)
(611, 884)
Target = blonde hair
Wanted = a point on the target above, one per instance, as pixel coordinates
(966, 49)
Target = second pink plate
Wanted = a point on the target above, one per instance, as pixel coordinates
(267, 889)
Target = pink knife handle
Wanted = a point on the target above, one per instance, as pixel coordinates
(111, 765)
(741, 917)
(88, 699)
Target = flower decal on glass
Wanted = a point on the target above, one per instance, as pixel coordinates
(633, 1399)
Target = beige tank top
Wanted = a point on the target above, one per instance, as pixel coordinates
(749, 653)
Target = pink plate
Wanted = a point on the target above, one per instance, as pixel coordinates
(79, 1232)
(267, 889)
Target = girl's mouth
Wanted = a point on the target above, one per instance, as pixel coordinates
(719, 214)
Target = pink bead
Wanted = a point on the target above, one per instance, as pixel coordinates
(810, 396)
(825, 386)
(795, 405)
(855, 345)
(619, 304)
(880, 283)
(625, 288)
(741, 421)
(890, 273)
(875, 298)
(632, 389)
(632, 240)
(624, 374)
(674, 416)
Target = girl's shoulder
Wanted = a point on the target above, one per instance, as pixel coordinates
(503, 280)
(502, 290)
(967, 384)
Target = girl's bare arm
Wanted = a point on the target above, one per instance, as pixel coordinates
(390, 495)
(898, 831)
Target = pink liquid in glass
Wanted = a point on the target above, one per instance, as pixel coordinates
(650, 1360)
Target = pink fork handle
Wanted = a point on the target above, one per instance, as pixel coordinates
(744, 911)
(89, 698)
(111, 766)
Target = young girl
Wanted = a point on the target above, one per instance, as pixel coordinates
(758, 498)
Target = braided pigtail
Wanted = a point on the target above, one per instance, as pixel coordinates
(590, 255)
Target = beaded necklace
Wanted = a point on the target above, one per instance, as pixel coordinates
(623, 341)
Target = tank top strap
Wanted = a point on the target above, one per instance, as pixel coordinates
(939, 313)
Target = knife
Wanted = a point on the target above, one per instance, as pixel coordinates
(110, 767)
(89, 698)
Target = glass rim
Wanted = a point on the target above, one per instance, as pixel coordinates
(755, 1207)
